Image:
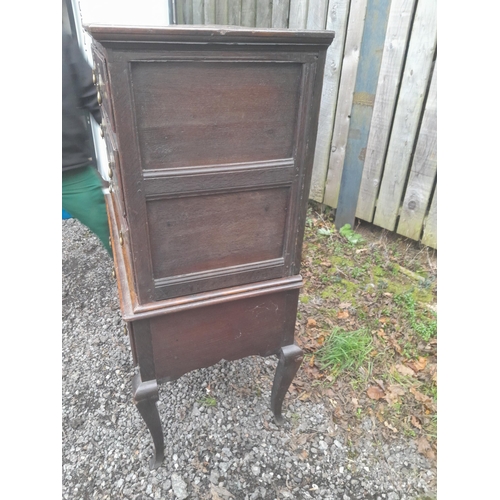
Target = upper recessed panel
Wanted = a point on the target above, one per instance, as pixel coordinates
(204, 113)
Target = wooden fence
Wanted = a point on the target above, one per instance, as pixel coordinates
(376, 148)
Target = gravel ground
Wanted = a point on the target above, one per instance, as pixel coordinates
(230, 449)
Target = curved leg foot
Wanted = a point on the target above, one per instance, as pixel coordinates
(145, 397)
(290, 359)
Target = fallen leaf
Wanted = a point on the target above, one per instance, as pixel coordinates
(383, 320)
(415, 422)
(404, 370)
(393, 392)
(345, 305)
(423, 445)
(422, 398)
(425, 448)
(304, 396)
(375, 392)
(311, 361)
(418, 365)
(311, 323)
(343, 314)
(389, 426)
(395, 345)
(381, 333)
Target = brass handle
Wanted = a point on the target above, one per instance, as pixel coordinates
(125, 330)
(102, 130)
(121, 238)
(113, 273)
(94, 77)
(110, 170)
(99, 98)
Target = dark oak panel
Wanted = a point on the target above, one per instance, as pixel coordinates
(256, 326)
(200, 233)
(229, 112)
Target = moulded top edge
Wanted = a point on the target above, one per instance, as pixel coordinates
(208, 34)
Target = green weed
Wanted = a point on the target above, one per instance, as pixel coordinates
(423, 326)
(208, 401)
(352, 237)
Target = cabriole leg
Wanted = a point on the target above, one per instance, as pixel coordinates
(145, 397)
(290, 359)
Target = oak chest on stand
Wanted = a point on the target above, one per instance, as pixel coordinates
(210, 134)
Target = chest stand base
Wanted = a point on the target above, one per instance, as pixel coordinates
(145, 396)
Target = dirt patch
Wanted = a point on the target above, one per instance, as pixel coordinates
(367, 322)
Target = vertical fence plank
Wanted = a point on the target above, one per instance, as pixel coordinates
(198, 12)
(221, 16)
(430, 232)
(423, 170)
(298, 14)
(234, 13)
(264, 12)
(408, 110)
(346, 90)
(336, 21)
(188, 11)
(209, 11)
(396, 41)
(317, 14)
(377, 14)
(281, 9)
(248, 12)
(179, 11)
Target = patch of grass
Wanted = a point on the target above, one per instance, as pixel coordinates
(344, 350)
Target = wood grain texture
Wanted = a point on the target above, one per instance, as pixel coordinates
(298, 14)
(232, 112)
(377, 13)
(193, 234)
(346, 91)
(248, 13)
(317, 15)
(284, 85)
(198, 12)
(221, 12)
(234, 13)
(255, 326)
(414, 85)
(396, 42)
(264, 13)
(209, 12)
(429, 237)
(281, 10)
(337, 16)
(423, 170)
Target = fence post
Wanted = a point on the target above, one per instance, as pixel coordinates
(372, 45)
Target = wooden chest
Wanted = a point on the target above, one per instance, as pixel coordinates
(210, 134)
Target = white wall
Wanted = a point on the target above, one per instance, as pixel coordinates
(125, 12)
